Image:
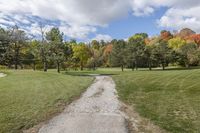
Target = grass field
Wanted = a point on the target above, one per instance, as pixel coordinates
(171, 99)
(27, 97)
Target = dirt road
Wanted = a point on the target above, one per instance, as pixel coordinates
(97, 111)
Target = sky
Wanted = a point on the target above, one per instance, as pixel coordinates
(85, 20)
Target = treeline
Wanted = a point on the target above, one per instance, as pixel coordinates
(140, 50)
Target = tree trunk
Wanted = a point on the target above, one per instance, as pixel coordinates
(9, 66)
(94, 67)
(150, 65)
(133, 66)
(45, 66)
(16, 61)
(122, 67)
(187, 65)
(34, 66)
(136, 67)
(16, 56)
(58, 67)
(163, 66)
(81, 66)
(16, 66)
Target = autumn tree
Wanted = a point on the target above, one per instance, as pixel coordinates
(165, 35)
(189, 54)
(82, 53)
(94, 59)
(185, 32)
(194, 38)
(176, 43)
(107, 55)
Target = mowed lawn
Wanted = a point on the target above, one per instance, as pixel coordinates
(27, 97)
(171, 99)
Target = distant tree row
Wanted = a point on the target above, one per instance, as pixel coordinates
(51, 51)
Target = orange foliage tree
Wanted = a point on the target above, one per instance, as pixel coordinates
(194, 38)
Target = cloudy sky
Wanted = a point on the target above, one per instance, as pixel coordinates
(100, 19)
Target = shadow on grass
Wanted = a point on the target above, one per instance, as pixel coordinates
(88, 73)
(171, 69)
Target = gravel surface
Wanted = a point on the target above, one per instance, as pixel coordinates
(97, 111)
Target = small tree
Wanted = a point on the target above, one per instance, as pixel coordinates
(161, 53)
(148, 54)
(81, 52)
(4, 44)
(189, 54)
(55, 39)
(118, 54)
(17, 42)
(136, 46)
(33, 52)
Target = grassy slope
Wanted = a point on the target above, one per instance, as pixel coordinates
(171, 99)
(28, 97)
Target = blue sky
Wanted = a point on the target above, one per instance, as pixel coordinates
(129, 25)
(85, 20)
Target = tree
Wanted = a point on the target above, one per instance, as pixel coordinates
(107, 55)
(194, 38)
(135, 47)
(118, 54)
(176, 43)
(161, 53)
(82, 53)
(165, 35)
(4, 44)
(17, 42)
(148, 53)
(185, 32)
(33, 51)
(189, 54)
(55, 39)
(95, 44)
(95, 58)
(44, 49)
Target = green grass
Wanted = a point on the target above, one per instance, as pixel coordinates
(171, 98)
(27, 97)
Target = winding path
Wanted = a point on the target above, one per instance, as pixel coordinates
(97, 111)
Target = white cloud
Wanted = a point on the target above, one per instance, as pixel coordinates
(100, 37)
(79, 18)
(77, 31)
(180, 13)
(178, 18)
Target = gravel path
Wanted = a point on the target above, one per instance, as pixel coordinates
(97, 111)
